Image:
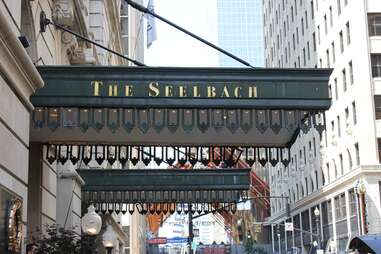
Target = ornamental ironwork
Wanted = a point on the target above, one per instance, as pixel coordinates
(220, 156)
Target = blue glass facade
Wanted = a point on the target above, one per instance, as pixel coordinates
(240, 31)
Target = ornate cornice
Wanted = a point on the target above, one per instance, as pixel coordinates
(16, 66)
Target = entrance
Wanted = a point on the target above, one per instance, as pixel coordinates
(210, 126)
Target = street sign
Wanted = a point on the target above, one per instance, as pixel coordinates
(157, 240)
(289, 226)
(177, 240)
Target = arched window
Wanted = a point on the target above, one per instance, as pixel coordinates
(350, 162)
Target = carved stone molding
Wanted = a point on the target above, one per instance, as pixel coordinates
(83, 56)
(63, 12)
(15, 64)
(69, 43)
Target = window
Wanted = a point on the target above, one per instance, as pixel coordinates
(292, 14)
(333, 52)
(343, 206)
(329, 211)
(350, 73)
(297, 35)
(306, 184)
(335, 167)
(338, 7)
(312, 184)
(357, 154)
(352, 202)
(308, 50)
(338, 127)
(293, 41)
(337, 208)
(376, 65)
(288, 24)
(316, 179)
(327, 56)
(350, 163)
(304, 56)
(318, 28)
(345, 2)
(341, 164)
(328, 173)
(330, 16)
(314, 146)
(344, 74)
(346, 117)
(314, 41)
(285, 54)
(341, 42)
(312, 9)
(306, 17)
(336, 90)
(325, 24)
(302, 22)
(347, 28)
(354, 113)
(322, 177)
(374, 24)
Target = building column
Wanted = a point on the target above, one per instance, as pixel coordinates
(272, 237)
(69, 186)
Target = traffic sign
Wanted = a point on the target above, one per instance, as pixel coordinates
(289, 226)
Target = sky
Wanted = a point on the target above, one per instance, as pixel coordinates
(174, 48)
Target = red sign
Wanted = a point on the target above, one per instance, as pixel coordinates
(157, 240)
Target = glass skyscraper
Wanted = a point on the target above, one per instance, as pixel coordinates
(240, 31)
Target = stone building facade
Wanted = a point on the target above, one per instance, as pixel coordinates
(337, 172)
(50, 193)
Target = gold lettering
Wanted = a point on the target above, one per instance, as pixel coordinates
(112, 90)
(129, 91)
(237, 92)
(196, 91)
(153, 89)
(225, 92)
(168, 91)
(211, 91)
(252, 92)
(96, 85)
(182, 91)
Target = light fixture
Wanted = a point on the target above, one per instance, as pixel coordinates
(109, 239)
(24, 41)
(91, 222)
(317, 212)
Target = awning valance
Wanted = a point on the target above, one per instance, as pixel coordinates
(146, 187)
(141, 105)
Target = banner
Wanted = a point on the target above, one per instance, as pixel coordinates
(151, 24)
